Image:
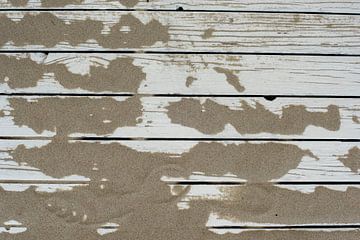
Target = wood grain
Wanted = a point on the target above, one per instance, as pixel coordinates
(247, 206)
(124, 134)
(338, 6)
(324, 164)
(148, 117)
(198, 32)
(194, 74)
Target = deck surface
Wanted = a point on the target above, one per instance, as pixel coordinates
(180, 119)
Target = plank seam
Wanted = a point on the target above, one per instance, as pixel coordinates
(264, 227)
(191, 182)
(182, 139)
(267, 97)
(47, 51)
(179, 9)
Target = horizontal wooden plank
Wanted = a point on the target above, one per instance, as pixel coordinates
(338, 6)
(176, 117)
(208, 205)
(181, 31)
(143, 210)
(203, 74)
(44, 161)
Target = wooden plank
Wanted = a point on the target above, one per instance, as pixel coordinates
(180, 117)
(338, 6)
(181, 31)
(214, 200)
(204, 207)
(296, 179)
(202, 74)
(45, 161)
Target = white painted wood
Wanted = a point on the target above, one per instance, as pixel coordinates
(218, 192)
(156, 123)
(326, 169)
(338, 6)
(233, 32)
(167, 74)
(239, 231)
(213, 192)
(259, 74)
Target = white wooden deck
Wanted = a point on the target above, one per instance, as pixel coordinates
(180, 119)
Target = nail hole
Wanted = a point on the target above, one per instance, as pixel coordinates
(270, 98)
(180, 9)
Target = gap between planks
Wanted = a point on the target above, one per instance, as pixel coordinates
(348, 7)
(188, 182)
(171, 10)
(235, 139)
(130, 52)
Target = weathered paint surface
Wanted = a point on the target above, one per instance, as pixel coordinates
(160, 31)
(190, 74)
(29, 31)
(119, 76)
(139, 213)
(182, 117)
(87, 115)
(63, 3)
(275, 159)
(211, 117)
(352, 159)
(92, 166)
